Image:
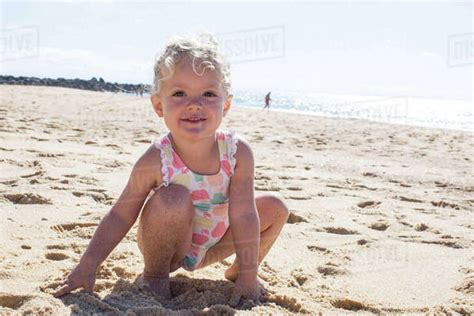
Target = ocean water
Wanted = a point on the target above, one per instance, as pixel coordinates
(438, 113)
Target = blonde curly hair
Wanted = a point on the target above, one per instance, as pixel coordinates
(203, 53)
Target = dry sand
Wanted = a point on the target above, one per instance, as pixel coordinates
(382, 215)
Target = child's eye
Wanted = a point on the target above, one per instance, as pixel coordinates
(179, 94)
(210, 94)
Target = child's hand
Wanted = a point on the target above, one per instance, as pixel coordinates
(245, 289)
(80, 277)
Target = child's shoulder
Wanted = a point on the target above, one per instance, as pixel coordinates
(243, 149)
(149, 164)
(243, 155)
(149, 157)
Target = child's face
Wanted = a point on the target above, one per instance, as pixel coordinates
(192, 105)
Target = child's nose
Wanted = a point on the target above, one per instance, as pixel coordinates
(195, 103)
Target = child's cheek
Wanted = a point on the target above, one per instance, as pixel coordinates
(213, 103)
(176, 102)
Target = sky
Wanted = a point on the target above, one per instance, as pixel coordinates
(417, 49)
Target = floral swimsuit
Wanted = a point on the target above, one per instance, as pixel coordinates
(209, 194)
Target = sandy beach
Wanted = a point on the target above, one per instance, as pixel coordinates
(382, 216)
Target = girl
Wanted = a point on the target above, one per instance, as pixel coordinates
(199, 183)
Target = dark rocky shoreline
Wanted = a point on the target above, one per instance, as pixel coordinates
(93, 84)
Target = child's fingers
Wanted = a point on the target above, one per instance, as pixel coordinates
(66, 288)
(89, 287)
(235, 299)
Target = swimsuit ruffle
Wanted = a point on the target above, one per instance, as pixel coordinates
(233, 149)
(164, 161)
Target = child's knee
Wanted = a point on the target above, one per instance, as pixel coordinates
(173, 200)
(281, 209)
(277, 206)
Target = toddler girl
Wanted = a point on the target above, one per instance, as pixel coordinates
(194, 186)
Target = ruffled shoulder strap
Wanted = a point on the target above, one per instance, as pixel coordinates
(232, 149)
(228, 148)
(164, 145)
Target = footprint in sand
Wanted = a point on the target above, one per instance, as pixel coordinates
(69, 175)
(441, 184)
(88, 180)
(49, 155)
(299, 197)
(71, 226)
(81, 230)
(37, 173)
(40, 139)
(401, 220)
(445, 240)
(362, 242)
(421, 227)
(56, 256)
(368, 204)
(9, 182)
(407, 199)
(27, 198)
(13, 301)
(331, 269)
(55, 187)
(361, 186)
(380, 225)
(267, 187)
(114, 146)
(335, 186)
(466, 286)
(261, 177)
(143, 140)
(299, 276)
(370, 174)
(289, 303)
(340, 231)
(445, 204)
(355, 306)
(317, 248)
(294, 218)
(448, 243)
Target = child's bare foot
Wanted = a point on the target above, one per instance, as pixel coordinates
(232, 274)
(158, 285)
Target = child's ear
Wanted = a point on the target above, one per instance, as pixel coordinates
(157, 106)
(228, 103)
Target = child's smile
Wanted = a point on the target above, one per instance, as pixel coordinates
(192, 101)
(193, 120)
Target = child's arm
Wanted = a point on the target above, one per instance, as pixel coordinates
(117, 222)
(244, 222)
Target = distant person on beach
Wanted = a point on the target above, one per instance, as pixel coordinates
(267, 101)
(195, 185)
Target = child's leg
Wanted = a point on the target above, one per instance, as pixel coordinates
(273, 214)
(164, 235)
